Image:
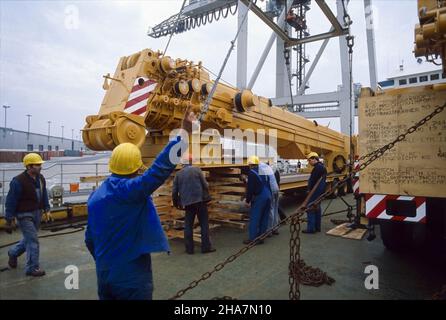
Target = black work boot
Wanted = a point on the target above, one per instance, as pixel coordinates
(36, 273)
(12, 262)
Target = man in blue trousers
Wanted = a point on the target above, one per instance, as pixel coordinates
(123, 226)
(258, 194)
(27, 199)
(314, 216)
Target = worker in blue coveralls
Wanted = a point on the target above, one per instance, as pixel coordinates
(314, 216)
(258, 194)
(123, 226)
(265, 169)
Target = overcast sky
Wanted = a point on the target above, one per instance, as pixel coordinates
(53, 54)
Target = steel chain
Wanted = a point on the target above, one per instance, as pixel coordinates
(311, 276)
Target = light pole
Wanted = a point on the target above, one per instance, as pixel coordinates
(49, 126)
(6, 108)
(62, 134)
(29, 122)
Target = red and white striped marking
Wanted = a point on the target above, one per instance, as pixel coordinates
(356, 179)
(137, 102)
(375, 207)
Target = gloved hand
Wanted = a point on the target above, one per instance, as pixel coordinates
(10, 225)
(189, 118)
(47, 217)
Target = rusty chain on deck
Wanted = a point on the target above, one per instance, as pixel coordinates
(298, 271)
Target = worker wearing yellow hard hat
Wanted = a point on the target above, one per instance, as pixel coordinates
(123, 226)
(125, 159)
(258, 195)
(312, 155)
(253, 160)
(32, 158)
(316, 181)
(27, 200)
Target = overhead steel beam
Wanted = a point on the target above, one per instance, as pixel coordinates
(323, 114)
(330, 15)
(318, 37)
(308, 99)
(368, 9)
(270, 23)
(269, 45)
(242, 47)
(313, 65)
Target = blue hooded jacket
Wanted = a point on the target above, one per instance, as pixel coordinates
(122, 219)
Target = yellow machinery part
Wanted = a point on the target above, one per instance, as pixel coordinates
(430, 33)
(108, 131)
(180, 84)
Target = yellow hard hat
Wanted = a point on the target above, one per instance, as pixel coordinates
(253, 160)
(125, 159)
(32, 158)
(312, 154)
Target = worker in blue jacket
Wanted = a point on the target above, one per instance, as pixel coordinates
(123, 226)
(314, 217)
(258, 194)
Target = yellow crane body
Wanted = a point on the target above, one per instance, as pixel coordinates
(149, 93)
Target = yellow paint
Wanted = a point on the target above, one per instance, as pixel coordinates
(179, 84)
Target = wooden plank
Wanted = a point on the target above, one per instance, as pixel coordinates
(179, 234)
(224, 181)
(226, 216)
(232, 224)
(355, 234)
(221, 189)
(91, 179)
(339, 230)
(348, 233)
(228, 197)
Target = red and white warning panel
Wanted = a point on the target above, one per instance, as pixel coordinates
(395, 207)
(137, 102)
(355, 179)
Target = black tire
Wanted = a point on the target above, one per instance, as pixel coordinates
(396, 236)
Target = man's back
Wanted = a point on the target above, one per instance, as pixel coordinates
(318, 172)
(189, 186)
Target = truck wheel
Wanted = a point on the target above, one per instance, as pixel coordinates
(396, 236)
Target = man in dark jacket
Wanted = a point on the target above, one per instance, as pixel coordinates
(27, 199)
(191, 192)
(314, 216)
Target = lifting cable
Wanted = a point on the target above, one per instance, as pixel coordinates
(205, 108)
(286, 53)
(350, 44)
(174, 27)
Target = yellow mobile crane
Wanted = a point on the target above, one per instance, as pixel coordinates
(149, 92)
(146, 98)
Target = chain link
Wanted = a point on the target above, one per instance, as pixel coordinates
(294, 276)
(298, 271)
